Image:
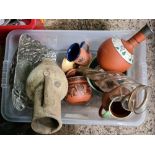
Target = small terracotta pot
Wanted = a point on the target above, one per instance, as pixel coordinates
(79, 91)
(80, 54)
(71, 73)
(111, 104)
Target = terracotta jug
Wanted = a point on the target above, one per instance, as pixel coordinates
(117, 54)
(111, 104)
(46, 86)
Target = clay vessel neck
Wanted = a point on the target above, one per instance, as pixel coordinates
(137, 38)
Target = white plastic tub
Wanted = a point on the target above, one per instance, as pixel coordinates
(60, 40)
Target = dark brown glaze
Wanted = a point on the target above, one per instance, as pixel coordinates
(106, 98)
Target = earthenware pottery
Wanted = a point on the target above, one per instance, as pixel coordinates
(116, 54)
(73, 72)
(46, 86)
(80, 54)
(124, 99)
(112, 106)
(79, 91)
(116, 110)
(67, 65)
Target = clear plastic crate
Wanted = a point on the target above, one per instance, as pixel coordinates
(60, 40)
